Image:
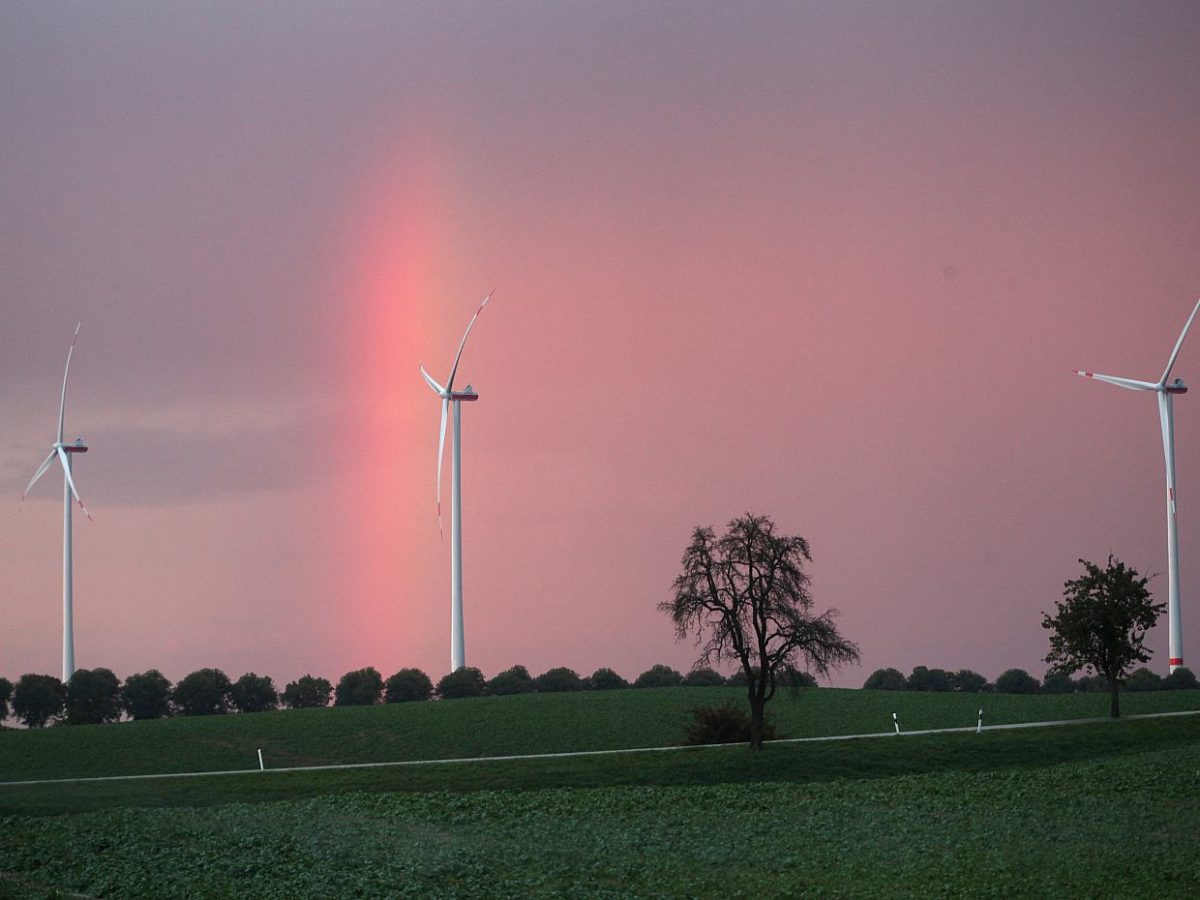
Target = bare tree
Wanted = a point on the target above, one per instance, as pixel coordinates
(745, 597)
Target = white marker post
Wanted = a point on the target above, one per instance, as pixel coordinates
(896, 722)
(979, 727)
(260, 762)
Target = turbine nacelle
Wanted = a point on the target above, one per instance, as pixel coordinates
(1175, 387)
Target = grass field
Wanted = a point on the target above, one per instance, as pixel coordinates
(1107, 809)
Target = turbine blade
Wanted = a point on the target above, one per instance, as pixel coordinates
(39, 473)
(62, 403)
(441, 453)
(66, 464)
(1178, 344)
(463, 342)
(437, 388)
(1128, 383)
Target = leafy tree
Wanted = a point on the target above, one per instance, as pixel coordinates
(254, 693)
(307, 692)
(703, 676)
(1181, 679)
(362, 687)
(93, 696)
(1101, 624)
(605, 679)
(465, 682)
(964, 681)
(558, 680)
(658, 675)
(725, 724)
(6, 690)
(516, 680)
(147, 695)
(1143, 680)
(1091, 684)
(1017, 681)
(1058, 684)
(406, 686)
(923, 679)
(745, 596)
(885, 680)
(38, 699)
(205, 692)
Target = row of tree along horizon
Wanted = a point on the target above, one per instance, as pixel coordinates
(94, 696)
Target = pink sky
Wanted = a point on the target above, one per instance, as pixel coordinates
(833, 263)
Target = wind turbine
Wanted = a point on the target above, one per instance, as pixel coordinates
(449, 395)
(1166, 394)
(62, 452)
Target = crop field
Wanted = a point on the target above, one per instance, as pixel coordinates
(1098, 809)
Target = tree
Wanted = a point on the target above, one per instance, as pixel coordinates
(406, 686)
(516, 680)
(254, 693)
(964, 681)
(93, 696)
(38, 699)
(658, 675)
(703, 676)
(1143, 680)
(605, 679)
(745, 597)
(1058, 684)
(1181, 679)
(362, 687)
(307, 691)
(465, 682)
(147, 695)
(1101, 624)
(205, 692)
(1017, 681)
(925, 679)
(885, 680)
(558, 680)
(6, 690)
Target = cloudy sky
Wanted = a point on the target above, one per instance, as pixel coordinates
(830, 262)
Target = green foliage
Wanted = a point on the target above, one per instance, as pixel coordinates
(703, 676)
(362, 687)
(605, 679)
(6, 690)
(885, 680)
(559, 680)
(93, 696)
(461, 683)
(658, 675)
(1101, 624)
(1181, 679)
(146, 695)
(205, 692)
(254, 693)
(923, 679)
(1057, 683)
(38, 699)
(1091, 684)
(725, 724)
(407, 686)
(1142, 679)
(966, 681)
(516, 680)
(307, 692)
(1017, 681)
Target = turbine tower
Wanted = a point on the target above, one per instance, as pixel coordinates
(449, 395)
(1166, 394)
(62, 452)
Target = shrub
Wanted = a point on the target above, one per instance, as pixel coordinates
(307, 692)
(885, 680)
(38, 699)
(703, 677)
(1057, 683)
(204, 692)
(558, 680)
(1143, 680)
(407, 686)
(1181, 679)
(516, 680)
(362, 687)
(1017, 681)
(607, 680)
(93, 696)
(724, 724)
(658, 676)
(465, 682)
(967, 682)
(254, 693)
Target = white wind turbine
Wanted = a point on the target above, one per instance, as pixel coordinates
(1166, 393)
(449, 395)
(62, 452)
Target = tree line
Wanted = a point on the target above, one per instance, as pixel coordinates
(1018, 681)
(92, 696)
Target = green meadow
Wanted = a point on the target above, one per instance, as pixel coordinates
(1093, 809)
